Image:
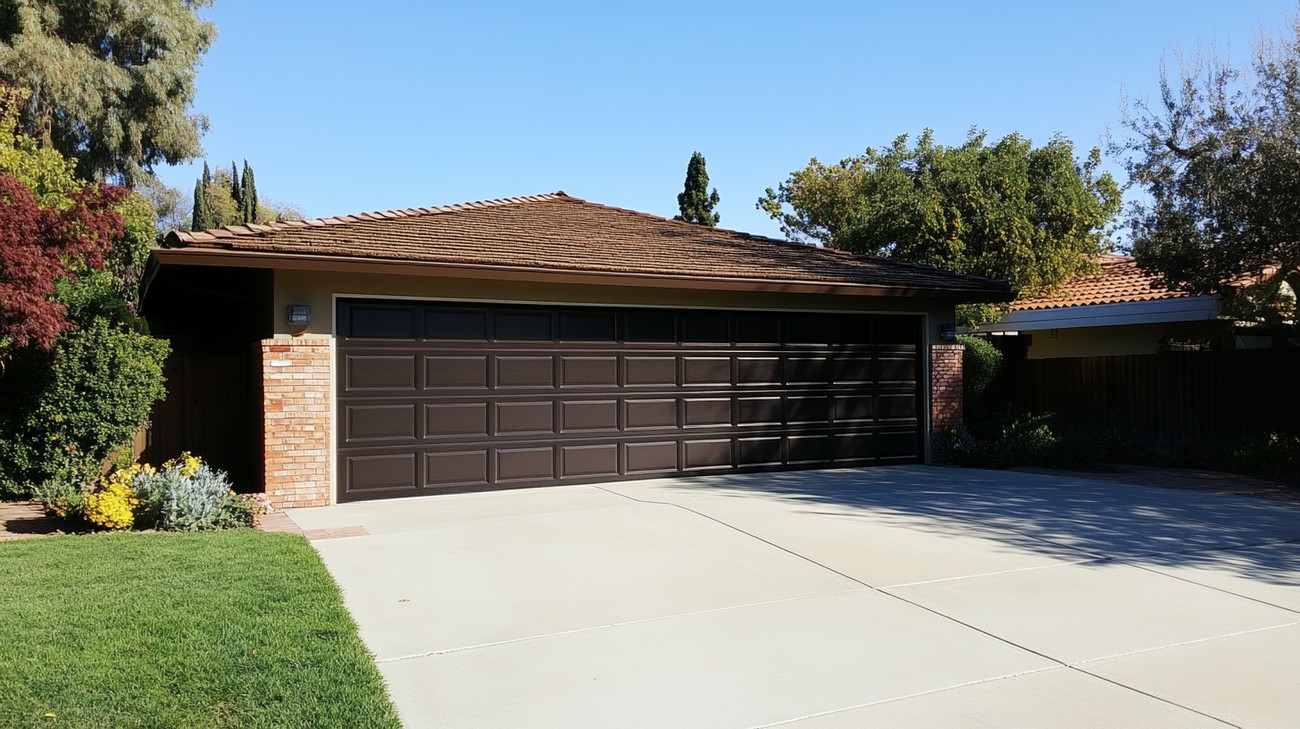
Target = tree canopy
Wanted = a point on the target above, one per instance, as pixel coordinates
(695, 201)
(230, 198)
(1219, 158)
(109, 82)
(1032, 216)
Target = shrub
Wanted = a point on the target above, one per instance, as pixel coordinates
(111, 507)
(185, 494)
(1017, 441)
(196, 502)
(1271, 455)
(62, 415)
(62, 498)
(980, 362)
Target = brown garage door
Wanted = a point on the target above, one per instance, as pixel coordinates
(439, 398)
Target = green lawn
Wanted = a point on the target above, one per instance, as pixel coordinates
(237, 628)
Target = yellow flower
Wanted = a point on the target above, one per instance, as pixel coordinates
(112, 506)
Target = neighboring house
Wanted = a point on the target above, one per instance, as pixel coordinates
(1120, 310)
(541, 340)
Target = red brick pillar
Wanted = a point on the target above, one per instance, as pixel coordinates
(945, 386)
(296, 430)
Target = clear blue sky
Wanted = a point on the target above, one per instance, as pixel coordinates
(351, 107)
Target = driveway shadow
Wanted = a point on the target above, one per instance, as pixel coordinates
(1052, 515)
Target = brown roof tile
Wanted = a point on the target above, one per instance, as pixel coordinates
(1120, 281)
(563, 233)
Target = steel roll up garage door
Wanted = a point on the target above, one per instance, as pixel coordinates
(442, 398)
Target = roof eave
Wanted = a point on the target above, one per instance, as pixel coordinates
(213, 256)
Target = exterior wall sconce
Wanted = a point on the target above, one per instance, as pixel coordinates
(948, 332)
(299, 315)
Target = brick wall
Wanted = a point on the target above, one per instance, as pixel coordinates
(945, 386)
(296, 420)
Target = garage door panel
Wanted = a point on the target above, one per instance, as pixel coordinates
(589, 460)
(651, 371)
(484, 397)
(378, 422)
(525, 464)
(652, 413)
(712, 453)
(525, 371)
(589, 371)
(514, 418)
(456, 468)
(588, 415)
(456, 372)
(381, 472)
(455, 418)
(386, 372)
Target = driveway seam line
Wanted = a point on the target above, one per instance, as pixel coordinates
(932, 611)
(1195, 641)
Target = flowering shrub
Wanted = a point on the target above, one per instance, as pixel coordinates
(184, 494)
(111, 507)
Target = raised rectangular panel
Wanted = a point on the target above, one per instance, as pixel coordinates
(525, 464)
(758, 411)
(526, 326)
(849, 409)
(380, 372)
(807, 370)
(368, 473)
(855, 447)
(657, 413)
(758, 370)
(707, 411)
(471, 324)
(587, 326)
(896, 407)
(648, 371)
(807, 409)
(589, 415)
(809, 448)
(589, 460)
(897, 444)
(524, 371)
(381, 322)
(651, 457)
(460, 468)
(759, 451)
(896, 369)
(455, 418)
(525, 417)
(379, 422)
(852, 370)
(451, 372)
(708, 453)
(589, 371)
(707, 371)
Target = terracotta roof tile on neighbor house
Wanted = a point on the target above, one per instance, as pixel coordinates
(561, 233)
(1119, 282)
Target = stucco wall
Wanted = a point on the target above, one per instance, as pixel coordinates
(1120, 340)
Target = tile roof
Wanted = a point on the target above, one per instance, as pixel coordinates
(558, 232)
(1119, 282)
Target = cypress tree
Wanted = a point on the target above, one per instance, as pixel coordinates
(202, 218)
(207, 174)
(236, 190)
(249, 195)
(696, 202)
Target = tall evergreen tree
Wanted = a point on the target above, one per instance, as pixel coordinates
(236, 189)
(695, 202)
(248, 196)
(207, 175)
(202, 218)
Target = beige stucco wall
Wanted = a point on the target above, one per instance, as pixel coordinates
(1120, 340)
(320, 290)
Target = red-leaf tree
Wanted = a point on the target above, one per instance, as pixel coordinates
(38, 246)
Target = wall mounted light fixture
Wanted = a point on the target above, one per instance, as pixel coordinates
(299, 315)
(948, 332)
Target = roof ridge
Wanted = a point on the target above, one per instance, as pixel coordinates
(228, 231)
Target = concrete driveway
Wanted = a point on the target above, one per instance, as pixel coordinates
(893, 597)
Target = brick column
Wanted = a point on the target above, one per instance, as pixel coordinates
(296, 432)
(945, 386)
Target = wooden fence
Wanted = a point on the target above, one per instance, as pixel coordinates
(1163, 401)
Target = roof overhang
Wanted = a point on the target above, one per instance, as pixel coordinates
(1158, 311)
(207, 256)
